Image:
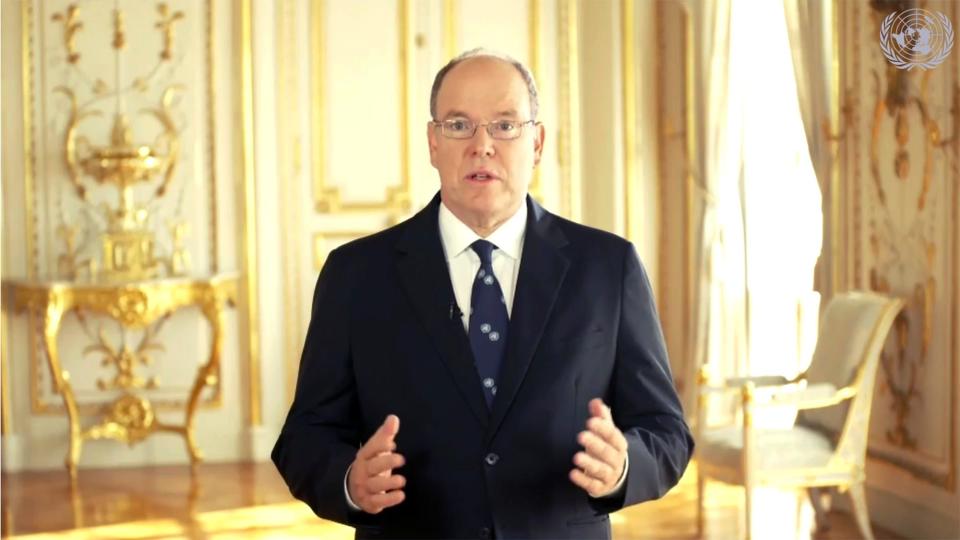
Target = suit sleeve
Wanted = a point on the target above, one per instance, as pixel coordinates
(643, 399)
(321, 435)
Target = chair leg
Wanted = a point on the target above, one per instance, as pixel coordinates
(747, 500)
(701, 488)
(821, 517)
(859, 496)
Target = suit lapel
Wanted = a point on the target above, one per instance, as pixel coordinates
(542, 269)
(426, 278)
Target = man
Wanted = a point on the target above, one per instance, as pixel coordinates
(485, 369)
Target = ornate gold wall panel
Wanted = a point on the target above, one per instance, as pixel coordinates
(72, 85)
(902, 229)
(327, 197)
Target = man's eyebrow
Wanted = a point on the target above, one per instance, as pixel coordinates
(460, 114)
(456, 114)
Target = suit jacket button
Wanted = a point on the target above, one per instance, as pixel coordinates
(492, 459)
(485, 533)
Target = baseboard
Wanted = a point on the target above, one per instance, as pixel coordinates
(11, 453)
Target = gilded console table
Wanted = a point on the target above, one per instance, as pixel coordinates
(135, 305)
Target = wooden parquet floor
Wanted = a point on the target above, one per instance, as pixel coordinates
(250, 501)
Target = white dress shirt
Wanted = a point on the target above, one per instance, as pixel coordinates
(463, 264)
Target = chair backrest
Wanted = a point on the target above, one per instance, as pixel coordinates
(853, 329)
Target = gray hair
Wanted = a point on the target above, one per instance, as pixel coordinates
(485, 53)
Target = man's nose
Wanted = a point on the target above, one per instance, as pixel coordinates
(481, 143)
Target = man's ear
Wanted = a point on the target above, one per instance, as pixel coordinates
(432, 143)
(538, 139)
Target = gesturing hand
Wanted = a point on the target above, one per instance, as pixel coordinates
(371, 484)
(599, 468)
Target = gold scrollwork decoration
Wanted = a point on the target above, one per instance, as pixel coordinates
(71, 25)
(67, 264)
(165, 25)
(125, 360)
(168, 143)
(75, 144)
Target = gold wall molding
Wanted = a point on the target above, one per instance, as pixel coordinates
(211, 142)
(533, 19)
(290, 170)
(662, 137)
(29, 156)
(449, 29)
(675, 135)
(834, 189)
(855, 219)
(689, 54)
(327, 198)
(629, 117)
(6, 418)
(249, 286)
(568, 134)
(663, 273)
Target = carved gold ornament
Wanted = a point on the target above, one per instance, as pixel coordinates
(71, 25)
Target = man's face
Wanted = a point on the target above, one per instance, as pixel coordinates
(483, 180)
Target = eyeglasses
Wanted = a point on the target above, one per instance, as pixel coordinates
(502, 130)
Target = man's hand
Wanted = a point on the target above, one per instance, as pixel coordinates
(599, 468)
(371, 484)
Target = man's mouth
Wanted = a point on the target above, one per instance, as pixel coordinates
(481, 176)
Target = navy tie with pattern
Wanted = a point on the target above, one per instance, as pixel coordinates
(488, 321)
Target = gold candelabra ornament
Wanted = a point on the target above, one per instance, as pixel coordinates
(128, 243)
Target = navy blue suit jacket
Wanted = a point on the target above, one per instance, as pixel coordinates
(383, 339)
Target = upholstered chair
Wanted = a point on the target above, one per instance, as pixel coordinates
(826, 446)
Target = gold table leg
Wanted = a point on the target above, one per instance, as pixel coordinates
(52, 317)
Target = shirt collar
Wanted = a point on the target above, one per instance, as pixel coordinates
(457, 237)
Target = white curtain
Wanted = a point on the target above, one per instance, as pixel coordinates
(758, 204)
(718, 336)
(811, 39)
